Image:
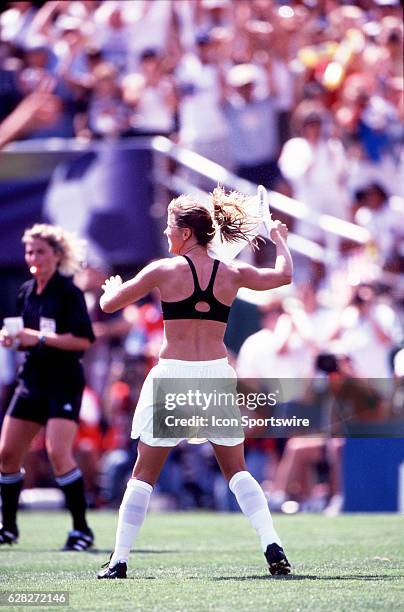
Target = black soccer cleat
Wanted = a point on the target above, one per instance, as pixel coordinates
(111, 573)
(79, 540)
(8, 537)
(278, 564)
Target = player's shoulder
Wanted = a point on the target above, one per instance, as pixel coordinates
(165, 264)
(160, 269)
(173, 264)
(239, 268)
(239, 265)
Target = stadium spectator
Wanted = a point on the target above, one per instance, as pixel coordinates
(397, 400)
(15, 22)
(312, 320)
(277, 350)
(147, 330)
(88, 445)
(368, 327)
(252, 124)
(50, 381)
(151, 94)
(109, 332)
(302, 474)
(283, 82)
(113, 32)
(202, 125)
(108, 115)
(310, 470)
(120, 399)
(315, 165)
(189, 230)
(40, 108)
(38, 68)
(212, 13)
(151, 27)
(382, 216)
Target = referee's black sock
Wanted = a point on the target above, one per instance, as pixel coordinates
(11, 485)
(72, 485)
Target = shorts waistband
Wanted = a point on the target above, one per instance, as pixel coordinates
(193, 364)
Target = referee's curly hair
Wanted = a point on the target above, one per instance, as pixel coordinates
(66, 244)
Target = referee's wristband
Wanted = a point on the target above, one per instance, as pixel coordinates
(41, 340)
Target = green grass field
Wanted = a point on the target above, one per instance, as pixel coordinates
(201, 561)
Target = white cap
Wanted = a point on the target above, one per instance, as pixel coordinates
(243, 74)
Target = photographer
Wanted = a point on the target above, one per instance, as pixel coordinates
(310, 468)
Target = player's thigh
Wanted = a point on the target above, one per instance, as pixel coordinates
(16, 437)
(230, 459)
(150, 461)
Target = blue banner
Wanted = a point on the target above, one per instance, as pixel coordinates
(104, 194)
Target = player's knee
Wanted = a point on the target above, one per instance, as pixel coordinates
(229, 471)
(147, 477)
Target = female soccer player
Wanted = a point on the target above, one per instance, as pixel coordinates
(57, 330)
(196, 295)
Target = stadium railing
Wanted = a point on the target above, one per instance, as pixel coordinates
(176, 177)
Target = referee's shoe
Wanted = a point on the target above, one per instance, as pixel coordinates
(278, 564)
(79, 540)
(116, 571)
(7, 536)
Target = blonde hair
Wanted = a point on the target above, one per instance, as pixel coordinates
(227, 215)
(66, 244)
(232, 218)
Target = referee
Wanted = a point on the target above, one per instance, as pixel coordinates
(56, 332)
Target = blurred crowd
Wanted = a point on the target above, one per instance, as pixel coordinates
(305, 97)
(236, 81)
(340, 360)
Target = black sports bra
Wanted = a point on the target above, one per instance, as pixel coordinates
(185, 309)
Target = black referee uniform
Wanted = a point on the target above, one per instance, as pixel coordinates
(50, 384)
(51, 381)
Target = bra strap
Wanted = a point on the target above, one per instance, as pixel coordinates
(213, 275)
(194, 274)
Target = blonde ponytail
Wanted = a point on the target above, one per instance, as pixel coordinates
(231, 217)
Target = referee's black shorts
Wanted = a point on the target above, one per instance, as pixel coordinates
(42, 407)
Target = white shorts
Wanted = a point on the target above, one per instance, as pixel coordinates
(142, 425)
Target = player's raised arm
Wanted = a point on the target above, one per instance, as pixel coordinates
(118, 294)
(262, 279)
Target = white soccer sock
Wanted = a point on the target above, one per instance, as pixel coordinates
(132, 513)
(253, 504)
